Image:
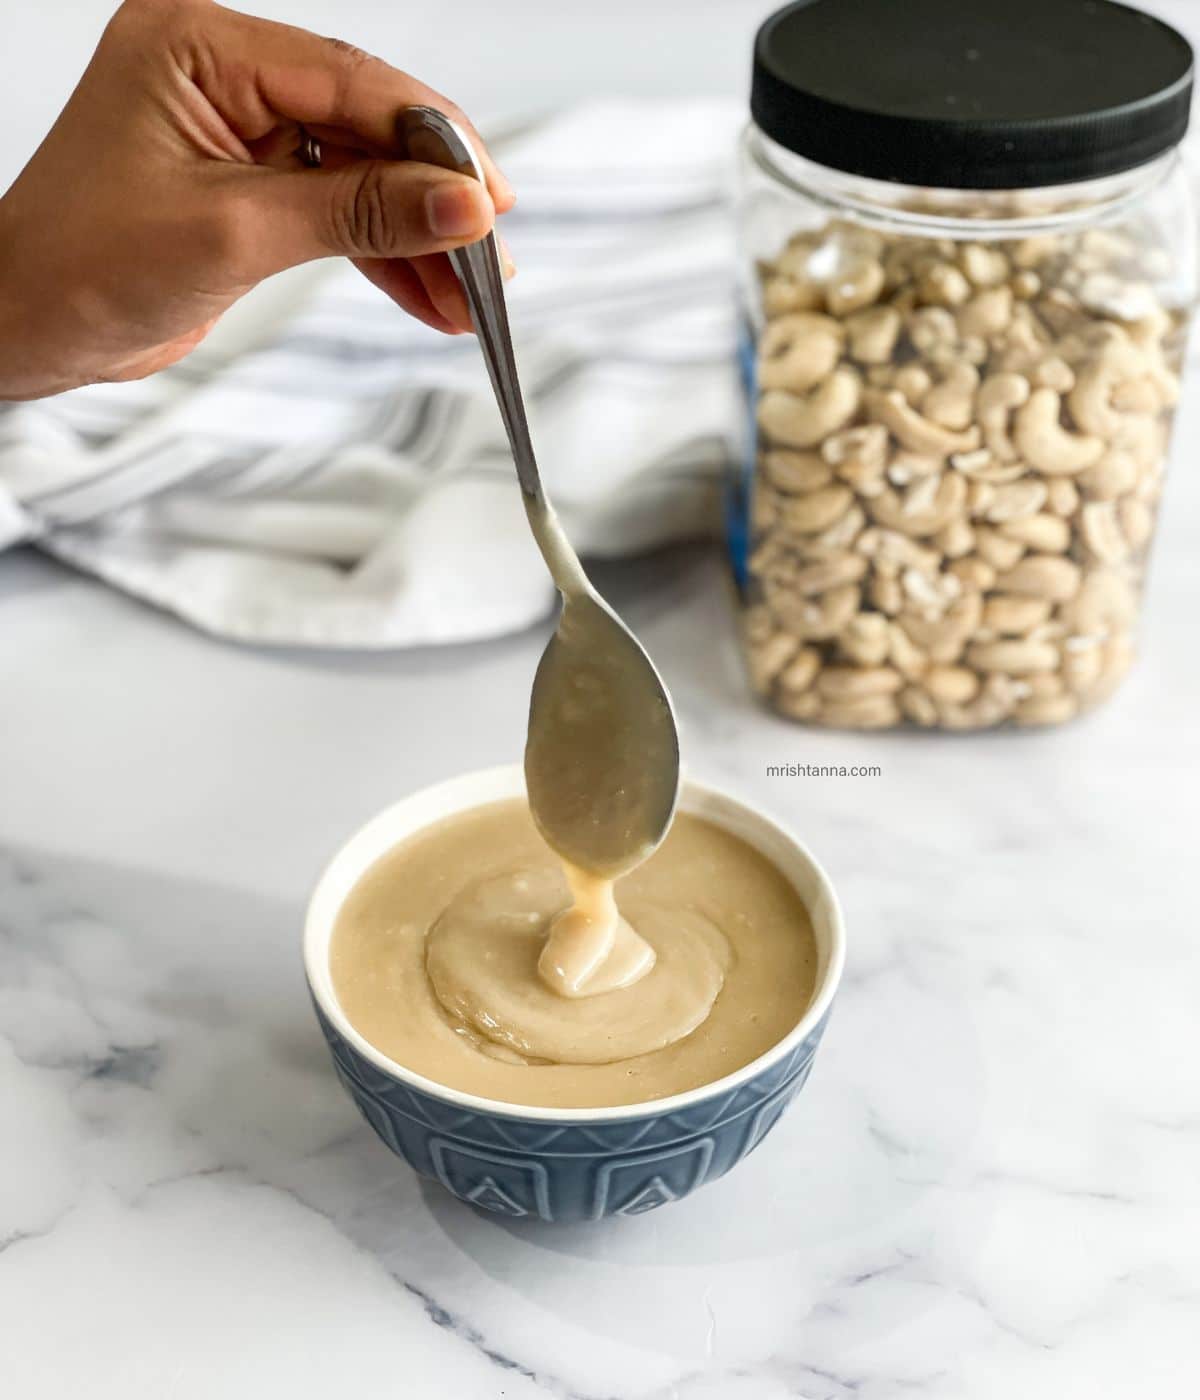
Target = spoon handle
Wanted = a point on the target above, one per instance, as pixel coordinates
(430, 136)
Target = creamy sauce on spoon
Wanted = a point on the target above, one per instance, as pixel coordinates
(601, 769)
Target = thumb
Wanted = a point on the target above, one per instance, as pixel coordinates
(367, 209)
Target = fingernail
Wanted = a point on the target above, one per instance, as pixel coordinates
(503, 188)
(510, 267)
(452, 210)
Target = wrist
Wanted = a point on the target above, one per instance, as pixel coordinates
(28, 308)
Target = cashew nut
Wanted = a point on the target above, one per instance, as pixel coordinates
(829, 573)
(858, 682)
(1034, 251)
(757, 624)
(973, 573)
(865, 639)
(783, 294)
(984, 266)
(867, 444)
(943, 285)
(988, 313)
(1102, 533)
(798, 351)
(993, 705)
(1046, 444)
(943, 639)
(1137, 521)
(803, 705)
(1144, 439)
(1014, 658)
(904, 654)
(956, 540)
(1048, 534)
(1062, 495)
(918, 706)
(925, 508)
(873, 334)
(892, 551)
(1016, 501)
(932, 328)
(913, 381)
(930, 594)
(838, 537)
(1054, 373)
(999, 396)
(883, 592)
(815, 620)
(911, 430)
(794, 420)
(871, 712)
(1091, 401)
(801, 670)
(859, 286)
(1104, 604)
(1026, 285)
(980, 465)
(952, 685)
(1014, 615)
(907, 467)
(764, 509)
(951, 404)
(768, 658)
(859, 455)
(1082, 667)
(815, 511)
(997, 549)
(1043, 576)
(1050, 709)
(796, 471)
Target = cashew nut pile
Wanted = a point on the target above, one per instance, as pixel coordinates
(961, 453)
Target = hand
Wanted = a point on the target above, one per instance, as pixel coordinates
(173, 182)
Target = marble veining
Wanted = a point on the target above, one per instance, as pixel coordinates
(987, 1188)
(990, 1187)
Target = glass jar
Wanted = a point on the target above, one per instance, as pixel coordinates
(961, 386)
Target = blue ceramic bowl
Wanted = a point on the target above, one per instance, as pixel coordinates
(564, 1164)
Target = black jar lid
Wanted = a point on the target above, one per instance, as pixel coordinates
(972, 94)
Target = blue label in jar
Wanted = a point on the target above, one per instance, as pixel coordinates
(741, 476)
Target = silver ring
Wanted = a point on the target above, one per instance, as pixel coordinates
(310, 152)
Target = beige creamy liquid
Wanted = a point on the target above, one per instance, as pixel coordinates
(601, 765)
(435, 962)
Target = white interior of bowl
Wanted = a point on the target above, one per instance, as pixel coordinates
(446, 799)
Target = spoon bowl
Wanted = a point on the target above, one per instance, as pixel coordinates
(602, 757)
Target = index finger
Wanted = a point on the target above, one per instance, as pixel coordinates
(326, 83)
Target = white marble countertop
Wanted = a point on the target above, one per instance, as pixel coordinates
(989, 1189)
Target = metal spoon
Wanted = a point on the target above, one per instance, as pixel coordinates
(602, 755)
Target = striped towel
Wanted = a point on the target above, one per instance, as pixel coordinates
(339, 475)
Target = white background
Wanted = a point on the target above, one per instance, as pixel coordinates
(988, 1189)
(494, 59)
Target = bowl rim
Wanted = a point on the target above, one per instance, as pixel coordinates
(318, 932)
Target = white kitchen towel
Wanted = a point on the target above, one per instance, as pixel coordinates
(328, 472)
